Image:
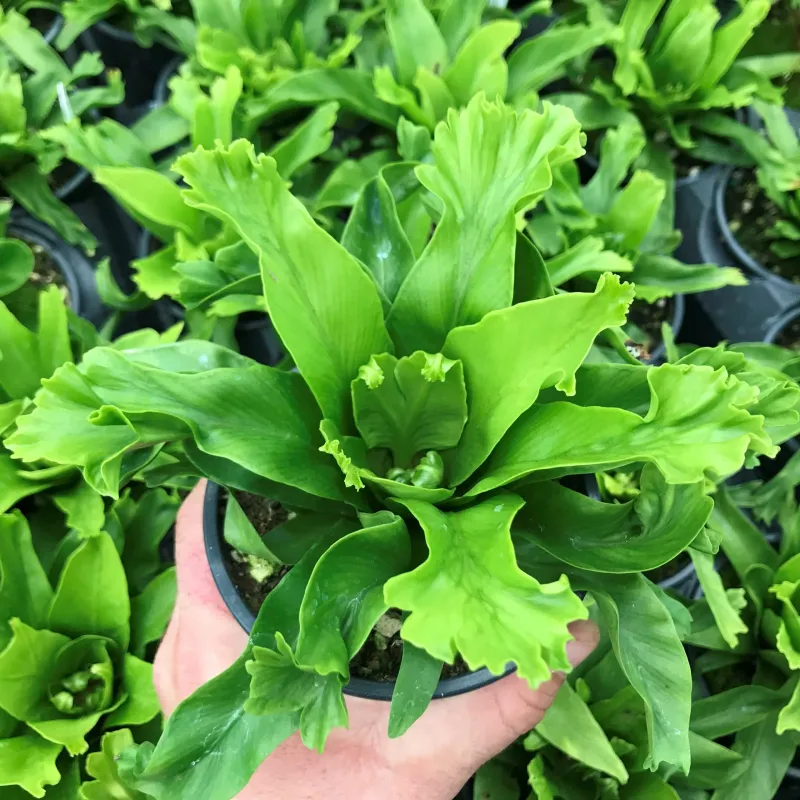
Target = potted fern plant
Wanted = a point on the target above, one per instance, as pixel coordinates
(418, 462)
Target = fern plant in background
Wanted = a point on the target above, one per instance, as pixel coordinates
(40, 90)
(156, 20)
(625, 229)
(672, 63)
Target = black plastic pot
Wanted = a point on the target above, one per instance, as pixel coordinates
(53, 29)
(683, 582)
(740, 313)
(74, 266)
(743, 258)
(119, 49)
(168, 71)
(693, 195)
(357, 687)
(780, 323)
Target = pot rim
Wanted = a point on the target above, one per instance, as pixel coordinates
(55, 27)
(161, 88)
(781, 322)
(114, 31)
(31, 231)
(732, 242)
(356, 687)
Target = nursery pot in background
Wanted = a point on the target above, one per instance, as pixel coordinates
(743, 258)
(167, 73)
(76, 269)
(785, 330)
(119, 49)
(357, 687)
(740, 313)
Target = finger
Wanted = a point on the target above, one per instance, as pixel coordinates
(195, 582)
(509, 708)
(491, 718)
(203, 638)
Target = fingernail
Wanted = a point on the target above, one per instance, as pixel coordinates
(586, 638)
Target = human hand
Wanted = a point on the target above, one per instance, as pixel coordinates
(431, 762)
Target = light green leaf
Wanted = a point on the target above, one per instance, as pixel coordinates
(153, 199)
(650, 653)
(17, 260)
(542, 59)
(734, 710)
(570, 726)
(25, 591)
(141, 704)
(240, 534)
(619, 149)
(489, 164)
(144, 525)
(375, 236)
(27, 357)
(345, 594)
(279, 685)
(698, 424)
(729, 39)
(614, 537)
(151, 611)
(351, 88)
(213, 113)
(727, 615)
(92, 593)
(659, 276)
(156, 274)
(125, 385)
(29, 187)
(789, 716)
(416, 682)
(102, 766)
(634, 210)
(411, 404)
(26, 665)
(503, 380)
(310, 281)
(311, 138)
(29, 762)
(587, 257)
(470, 597)
(789, 631)
(768, 756)
(82, 506)
(742, 542)
(480, 65)
(66, 732)
(415, 37)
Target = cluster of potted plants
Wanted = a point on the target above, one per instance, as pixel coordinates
(420, 289)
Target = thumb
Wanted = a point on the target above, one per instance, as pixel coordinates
(509, 708)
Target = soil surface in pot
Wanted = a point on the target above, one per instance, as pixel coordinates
(644, 325)
(379, 659)
(789, 335)
(750, 215)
